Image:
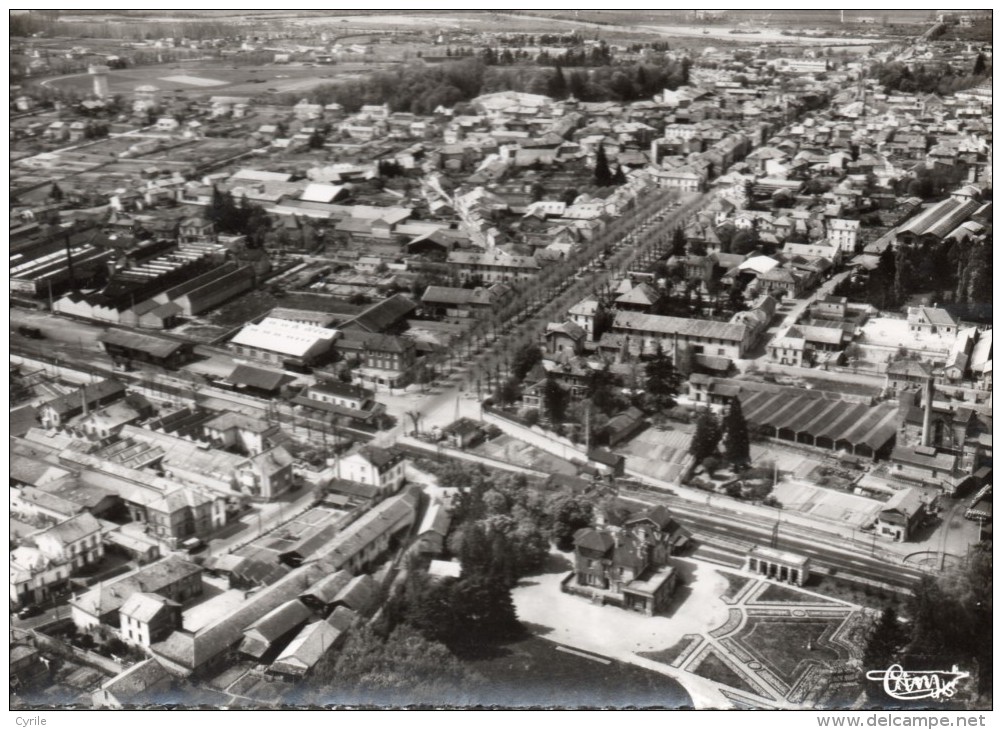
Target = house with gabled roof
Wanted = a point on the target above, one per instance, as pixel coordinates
(563, 337)
(266, 633)
(375, 466)
(147, 618)
(172, 577)
(143, 684)
(314, 640)
(641, 298)
(931, 321)
(901, 515)
(76, 541)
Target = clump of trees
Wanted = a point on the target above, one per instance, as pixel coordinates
(950, 623)
(500, 533)
(957, 270)
(422, 89)
(244, 218)
(400, 668)
(935, 78)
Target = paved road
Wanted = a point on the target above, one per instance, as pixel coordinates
(50, 616)
(821, 292)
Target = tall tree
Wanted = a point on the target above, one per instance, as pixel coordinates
(706, 439)
(678, 243)
(525, 359)
(570, 514)
(558, 84)
(662, 379)
(735, 427)
(603, 175)
(216, 211)
(555, 400)
(902, 274)
(979, 65)
(56, 193)
(599, 388)
(604, 318)
(475, 556)
(485, 611)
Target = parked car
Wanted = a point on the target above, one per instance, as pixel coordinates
(193, 545)
(33, 333)
(29, 611)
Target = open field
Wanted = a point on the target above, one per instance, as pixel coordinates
(212, 78)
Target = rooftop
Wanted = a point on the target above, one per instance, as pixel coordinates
(110, 596)
(283, 336)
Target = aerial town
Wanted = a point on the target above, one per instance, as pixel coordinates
(499, 358)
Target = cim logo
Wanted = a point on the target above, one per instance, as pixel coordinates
(904, 685)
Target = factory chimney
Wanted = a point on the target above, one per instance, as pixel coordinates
(69, 260)
(927, 412)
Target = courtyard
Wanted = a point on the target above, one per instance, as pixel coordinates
(729, 638)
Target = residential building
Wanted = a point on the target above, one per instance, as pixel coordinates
(386, 360)
(583, 315)
(721, 339)
(33, 577)
(75, 542)
(901, 514)
(374, 466)
(564, 337)
(628, 565)
(172, 577)
(493, 265)
(147, 618)
(844, 234)
(928, 321)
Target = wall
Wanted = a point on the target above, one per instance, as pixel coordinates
(466, 456)
(536, 436)
(43, 641)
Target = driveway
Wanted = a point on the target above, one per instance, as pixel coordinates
(576, 622)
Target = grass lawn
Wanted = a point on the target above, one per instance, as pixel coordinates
(712, 667)
(669, 655)
(735, 584)
(533, 672)
(855, 593)
(781, 643)
(778, 594)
